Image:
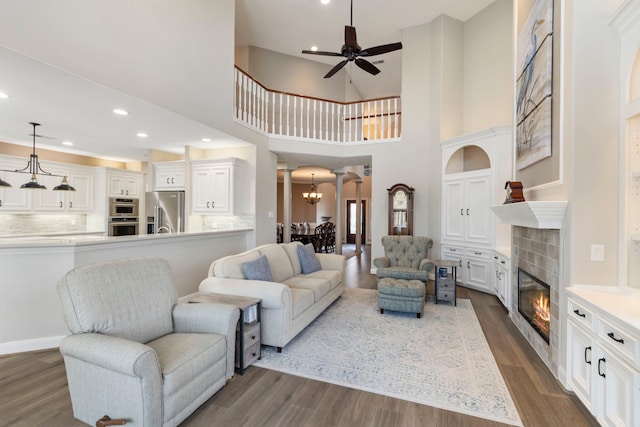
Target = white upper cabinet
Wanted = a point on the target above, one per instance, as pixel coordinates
(124, 184)
(218, 186)
(80, 200)
(169, 175)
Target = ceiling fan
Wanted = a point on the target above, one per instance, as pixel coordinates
(353, 52)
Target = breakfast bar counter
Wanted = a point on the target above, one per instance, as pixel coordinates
(32, 265)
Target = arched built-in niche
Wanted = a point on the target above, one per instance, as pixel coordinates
(466, 159)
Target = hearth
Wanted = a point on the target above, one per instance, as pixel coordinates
(534, 302)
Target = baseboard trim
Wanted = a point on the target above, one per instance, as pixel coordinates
(30, 345)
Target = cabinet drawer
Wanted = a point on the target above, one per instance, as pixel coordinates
(451, 250)
(251, 334)
(445, 284)
(445, 295)
(620, 341)
(580, 314)
(478, 253)
(251, 354)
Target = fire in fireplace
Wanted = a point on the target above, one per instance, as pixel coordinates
(534, 302)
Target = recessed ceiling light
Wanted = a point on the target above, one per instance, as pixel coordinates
(120, 112)
(325, 1)
(141, 135)
(67, 143)
(206, 139)
(3, 95)
(314, 48)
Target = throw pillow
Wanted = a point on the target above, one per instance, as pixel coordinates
(308, 259)
(258, 269)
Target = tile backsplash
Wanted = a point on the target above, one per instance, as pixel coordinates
(25, 224)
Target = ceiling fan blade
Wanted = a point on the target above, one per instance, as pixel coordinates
(379, 50)
(336, 68)
(367, 66)
(320, 52)
(350, 38)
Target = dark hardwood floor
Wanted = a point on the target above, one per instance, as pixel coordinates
(34, 393)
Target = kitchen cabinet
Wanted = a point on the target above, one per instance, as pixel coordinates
(124, 184)
(218, 186)
(14, 199)
(474, 266)
(501, 279)
(169, 175)
(603, 360)
(80, 200)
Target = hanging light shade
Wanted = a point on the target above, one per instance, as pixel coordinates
(312, 197)
(33, 167)
(64, 186)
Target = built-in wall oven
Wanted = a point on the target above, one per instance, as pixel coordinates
(123, 217)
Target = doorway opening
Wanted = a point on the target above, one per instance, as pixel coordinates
(352, 221)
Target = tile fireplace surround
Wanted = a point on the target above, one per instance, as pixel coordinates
(535, 248)
(537, 251)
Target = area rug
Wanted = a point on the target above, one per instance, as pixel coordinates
(441, 360)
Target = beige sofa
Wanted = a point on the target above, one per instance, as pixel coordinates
(292, 300)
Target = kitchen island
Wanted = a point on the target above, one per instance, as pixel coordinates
(31, 266)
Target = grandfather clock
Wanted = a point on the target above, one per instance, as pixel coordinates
(400, 209)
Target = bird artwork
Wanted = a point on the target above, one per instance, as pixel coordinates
(533, 93)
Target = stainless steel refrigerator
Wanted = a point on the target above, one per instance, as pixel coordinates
(165, 212)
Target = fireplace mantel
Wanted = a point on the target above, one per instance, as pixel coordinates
(536, 214)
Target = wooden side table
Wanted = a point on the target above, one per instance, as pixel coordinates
(248, 329)
(446, 276)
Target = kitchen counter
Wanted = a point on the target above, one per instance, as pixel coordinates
(31, 267)
(36, 241)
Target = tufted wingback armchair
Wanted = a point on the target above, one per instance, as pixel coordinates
(406, 257)
(134, 352)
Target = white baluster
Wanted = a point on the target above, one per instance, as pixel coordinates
(395, 122)
(280, 125)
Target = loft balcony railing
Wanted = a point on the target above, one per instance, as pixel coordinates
(287, 115)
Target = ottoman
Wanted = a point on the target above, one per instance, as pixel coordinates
(401, 295)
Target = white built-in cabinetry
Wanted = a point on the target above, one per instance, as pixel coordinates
(14, 199)
(603, 353)
(217, 186)
(169, 176)
(500, 280)
(121, 183)
(475, 168)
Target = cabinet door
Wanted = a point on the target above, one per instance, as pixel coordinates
(48, 200)
(502, 287)
(580, 363)
(169, 178)
(456, 255)
(477, 210)
(453, 215)
(116, 185)
(479, 273)
(617, 391)
(202, 188)
(14, 198)
(80, 200)
(132, 186)
(221, 194)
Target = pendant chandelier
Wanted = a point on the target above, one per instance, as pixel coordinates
(312, 197)
(33, 168)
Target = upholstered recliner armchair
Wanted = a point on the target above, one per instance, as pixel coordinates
(135, 353)
(406, 257)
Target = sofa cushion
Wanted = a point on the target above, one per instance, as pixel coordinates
(308, 260)
(301, 300)
(281, 267)
(320, 287)
(292, 251)
(258, 269)
(231, 266)
(334, 277)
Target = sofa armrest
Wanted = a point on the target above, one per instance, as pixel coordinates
(206, 318)
(331, 261)
(115, 354)
(426, 265)
(273, 295)
(382, 262)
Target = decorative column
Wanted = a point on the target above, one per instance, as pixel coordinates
(358, 217)
(339, 221)
(286, 218)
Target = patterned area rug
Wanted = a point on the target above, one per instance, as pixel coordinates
(441, 360)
